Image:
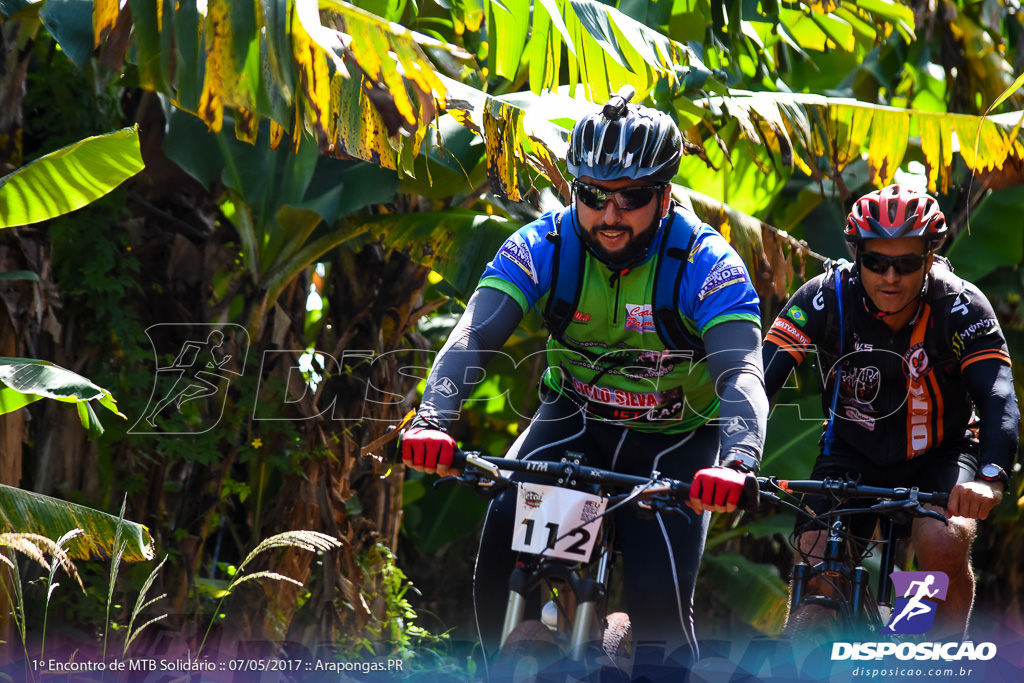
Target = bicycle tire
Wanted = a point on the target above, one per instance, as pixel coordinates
(617, 639)
(531, 638)
(814, 623)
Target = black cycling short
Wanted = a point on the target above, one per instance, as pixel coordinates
(935, 471)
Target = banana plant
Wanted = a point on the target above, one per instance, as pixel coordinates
(29, 512)
(366, 86)
(70, 178)
(51, 186)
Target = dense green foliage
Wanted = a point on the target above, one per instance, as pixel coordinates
(248, 215)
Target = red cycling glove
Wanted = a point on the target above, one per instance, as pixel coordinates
(717, 487)
(427, 449)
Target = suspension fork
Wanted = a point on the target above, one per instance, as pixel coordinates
(586, 603)
(518, 586)
(830, 565)
(884, 593)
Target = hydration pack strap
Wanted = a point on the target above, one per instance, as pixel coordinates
(567, 277)
(672, 258)
(827, 446)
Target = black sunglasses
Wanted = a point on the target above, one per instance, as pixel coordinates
(626, 199)
(904, 264)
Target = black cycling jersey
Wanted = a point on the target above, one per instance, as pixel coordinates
(907, 392)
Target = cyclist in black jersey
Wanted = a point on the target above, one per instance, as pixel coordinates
(925, 391)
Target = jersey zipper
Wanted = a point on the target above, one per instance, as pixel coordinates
(616, 281)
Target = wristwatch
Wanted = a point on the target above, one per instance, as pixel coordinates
(993, 472)
(742, 462)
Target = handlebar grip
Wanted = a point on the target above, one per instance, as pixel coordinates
(459, 458)
(750, 498)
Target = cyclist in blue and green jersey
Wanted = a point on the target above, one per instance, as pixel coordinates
(692, 408)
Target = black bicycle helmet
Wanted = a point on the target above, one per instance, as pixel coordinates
(625, 141)
(895, 212)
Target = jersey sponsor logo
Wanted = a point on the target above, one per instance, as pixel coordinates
(960, 304)
(792, 331)
(865, 421)
(640, 318)
(696, 250)
(819, 301)
(516, 250)
(797, 315)
(615, 397)
(581, 317)
(862, 383)
(919, 433)
(720, 277)
(973, 331)
(917, 363)
(859, 345)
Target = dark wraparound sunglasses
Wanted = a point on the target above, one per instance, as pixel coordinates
(626, 199)
(905, 264)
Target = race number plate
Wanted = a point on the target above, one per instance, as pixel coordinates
(557, 522)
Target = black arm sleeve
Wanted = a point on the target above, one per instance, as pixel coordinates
(490, 318)
(990, 383)
(777, 366)
(734, 363)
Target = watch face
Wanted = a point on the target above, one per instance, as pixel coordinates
(990, 472)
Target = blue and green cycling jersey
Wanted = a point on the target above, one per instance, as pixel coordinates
(610, 357)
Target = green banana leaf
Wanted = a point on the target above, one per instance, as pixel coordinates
(69, 178)
(24, 381)
(29, 512)
(757, 593)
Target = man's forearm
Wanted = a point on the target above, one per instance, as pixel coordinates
(490, 318)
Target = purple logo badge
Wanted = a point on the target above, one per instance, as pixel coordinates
(917, 596)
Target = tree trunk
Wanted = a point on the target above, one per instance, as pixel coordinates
(377, 306)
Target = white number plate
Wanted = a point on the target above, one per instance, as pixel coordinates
(554, 522)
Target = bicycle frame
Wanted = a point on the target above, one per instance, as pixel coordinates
(588, 590)
(855, 604)
(856, 607)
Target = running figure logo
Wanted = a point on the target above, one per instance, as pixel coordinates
(204, 365)
(917, 596)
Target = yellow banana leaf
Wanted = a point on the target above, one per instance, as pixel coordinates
(28, 512)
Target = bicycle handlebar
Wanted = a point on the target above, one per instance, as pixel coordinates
(570, 472)
(564, 471)
(848, 490)
(888, 500)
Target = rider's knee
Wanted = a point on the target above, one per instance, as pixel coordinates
(944, 547)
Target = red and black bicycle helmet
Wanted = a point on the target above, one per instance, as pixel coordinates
(893, 212)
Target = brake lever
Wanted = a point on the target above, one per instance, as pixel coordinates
(923, 512)
(485, 487)
(910, 504)
(492, 471)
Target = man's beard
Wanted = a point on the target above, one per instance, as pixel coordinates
(634, 251)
